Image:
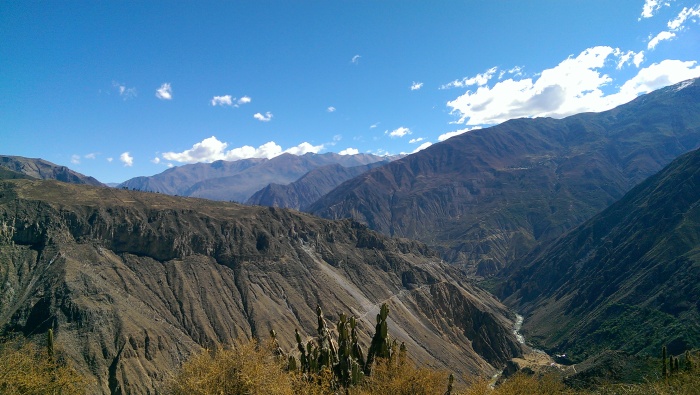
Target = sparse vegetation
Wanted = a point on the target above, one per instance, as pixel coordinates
(28, 369)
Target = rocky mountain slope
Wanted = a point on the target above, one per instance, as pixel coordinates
(625, 280)
(486, 197)
(41, 169)
(239, 180)
(309, 188)
(133, 282)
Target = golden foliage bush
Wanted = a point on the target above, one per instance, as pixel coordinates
(27, 369)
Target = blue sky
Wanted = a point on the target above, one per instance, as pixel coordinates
(118, 89)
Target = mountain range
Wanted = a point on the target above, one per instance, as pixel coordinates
(487, 197)
(626, 280)
(133, 282)
(20, 167)
(239, 180)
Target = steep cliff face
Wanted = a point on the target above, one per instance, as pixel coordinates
(133, 283)
(625, 280)
(486, 197)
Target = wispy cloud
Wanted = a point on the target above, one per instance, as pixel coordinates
(228, 100)
(349, 151)
(675, 25)
(330, 109)
(165, 92)
(126, 159)
(75, 159)
(399, 132)
(92, 155)
(355, 59)
(416, 86)
(478, 80)
(374, 125)
(211, 149)
(575, 85)
(413, 141)
(263, 118)
(124, 92)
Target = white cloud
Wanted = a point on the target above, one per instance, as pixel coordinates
(418, 140)
(75, 159)
(416, 86)
(679, 22)
(91, 155)
(662, 36)
(422, 147)
(349, 151)
(675, 25)
(650, 7)
(244, 100)
(155, 160)
(628, 57)
(263, 118)
(479, 79)
(225, 100)
(355, 59)
(400, 132)
(165, 92)
(330, 109)
(124, 92)
(211, 149)
(447, 135)
(127, 159)
(110, 160)
(374, 125)
(573, 86)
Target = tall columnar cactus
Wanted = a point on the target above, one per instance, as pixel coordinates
(381, 345)
(664, 372)
(450, 380)
(50, 345)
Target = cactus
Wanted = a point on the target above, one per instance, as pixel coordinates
(664, 372)
(688, 361)
(50, 345)
(450, 380)
(380, 346)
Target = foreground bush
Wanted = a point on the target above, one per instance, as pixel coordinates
(27, 369)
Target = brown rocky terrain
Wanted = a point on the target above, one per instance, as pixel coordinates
(132, 283)
(41, 169)
(487, 197)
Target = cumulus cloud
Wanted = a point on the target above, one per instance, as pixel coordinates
(165, 92)
(110, 160)
(244, 100)
(575, 85)
(349, 151)
(225, 100)
(211, 149)
(400, 132)
(422, 147)
(124, 92)
(355, 59)
(126, 159)
(330, 109)
(75, 159)
(650, 7)
(416, 86)
(413, 141)
(263, 118)
(155, 160)
(447, 135)
(479, 80)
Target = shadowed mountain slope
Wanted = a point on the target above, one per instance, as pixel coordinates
(309, 188)
(486, 197)
(625, 280)
(239, 180)
(132, 282)
(41, 169)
